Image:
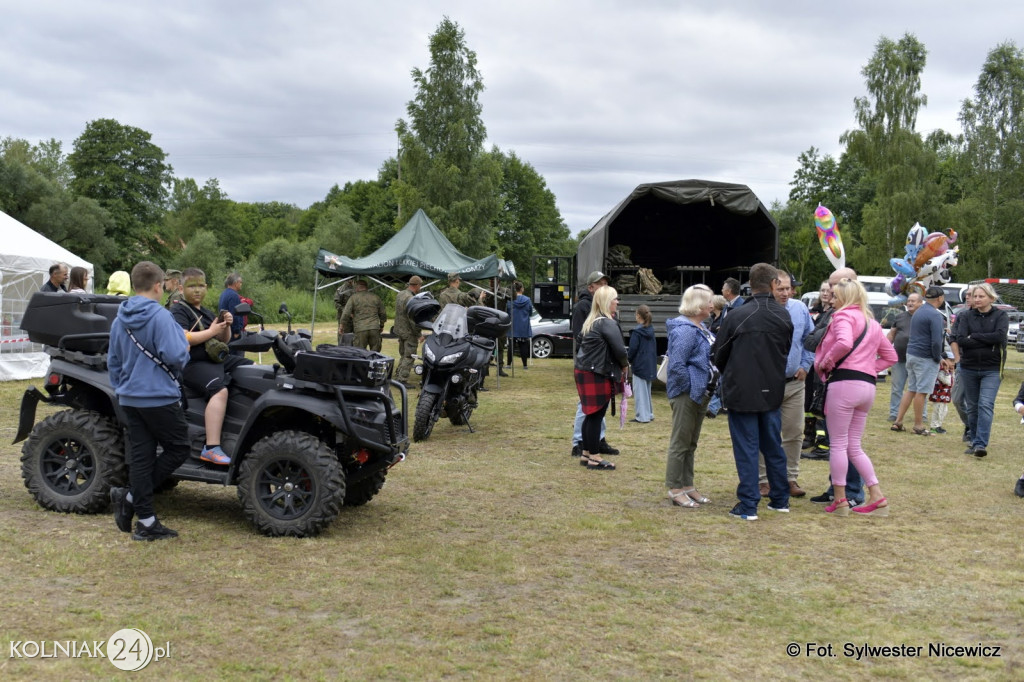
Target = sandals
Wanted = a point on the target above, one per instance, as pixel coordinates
(697, 496)
(595, 463)
(922, 431)
(682, 499)
(897, 426)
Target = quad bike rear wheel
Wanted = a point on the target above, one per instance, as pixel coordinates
(72, 459)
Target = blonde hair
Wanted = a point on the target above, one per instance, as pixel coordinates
(848, 293)
(987, 288)
(601, 306)
(694, 298)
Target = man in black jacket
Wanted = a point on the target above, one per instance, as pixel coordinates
(751, 351)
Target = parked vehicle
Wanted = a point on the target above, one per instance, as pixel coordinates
(453, 361)
(1013, 331)
(313, 433)
(684, 232)
(552, 339)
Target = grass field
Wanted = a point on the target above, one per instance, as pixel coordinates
(494, 555)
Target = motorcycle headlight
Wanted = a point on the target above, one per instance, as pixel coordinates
(456, 378)
(450, 359)
(429, 353)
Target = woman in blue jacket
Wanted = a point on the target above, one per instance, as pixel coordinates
(520, 309)
(643, 358)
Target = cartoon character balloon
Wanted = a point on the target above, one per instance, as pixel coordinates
(828, 236)
(926, 262)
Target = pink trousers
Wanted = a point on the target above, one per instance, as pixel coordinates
(846, 413)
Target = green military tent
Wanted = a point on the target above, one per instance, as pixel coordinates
(419, 248)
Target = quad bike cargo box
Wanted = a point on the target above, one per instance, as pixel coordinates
(423, 308)
(344, 365)
(52, 316)
(488, 322)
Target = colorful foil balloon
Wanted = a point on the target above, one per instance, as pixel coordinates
(828, 236)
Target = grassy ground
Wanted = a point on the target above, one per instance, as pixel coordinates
(494, 555)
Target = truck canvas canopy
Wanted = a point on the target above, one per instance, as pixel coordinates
(720, 227)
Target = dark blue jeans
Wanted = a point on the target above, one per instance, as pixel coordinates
(980, 389)
(752, 432)
(854, 486)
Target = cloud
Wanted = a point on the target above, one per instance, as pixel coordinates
(281, 101)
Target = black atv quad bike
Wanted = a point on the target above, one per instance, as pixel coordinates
(307, 435)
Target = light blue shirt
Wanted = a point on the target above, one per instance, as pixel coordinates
(803, 325)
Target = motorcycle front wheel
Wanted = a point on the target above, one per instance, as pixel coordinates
(425, 415)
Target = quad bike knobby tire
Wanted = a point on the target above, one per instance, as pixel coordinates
(72, 459)
(291, 483)
(357, 494)
(425, 416)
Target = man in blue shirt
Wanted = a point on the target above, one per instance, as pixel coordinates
(229, 298)
(798, 364)
(924, 357)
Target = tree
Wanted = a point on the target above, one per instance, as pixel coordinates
(993, 123)
(442, 167)
(529, 222)
(898, 163)
(121, 168)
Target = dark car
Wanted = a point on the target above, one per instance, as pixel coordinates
(551, 338)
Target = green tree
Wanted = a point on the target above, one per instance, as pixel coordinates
(203, 251)
(442, 166)
(121, 168)
(529, 222)
(993, 123)
(900, 166)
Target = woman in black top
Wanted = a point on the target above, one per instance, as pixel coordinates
(981, 336)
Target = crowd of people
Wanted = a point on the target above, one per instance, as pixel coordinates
(759, 359)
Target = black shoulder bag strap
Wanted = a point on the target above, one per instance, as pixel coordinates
(855, 344)
(158, 361)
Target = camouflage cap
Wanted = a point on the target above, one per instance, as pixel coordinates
(452, 276)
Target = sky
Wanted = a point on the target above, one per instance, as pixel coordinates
(279, 101)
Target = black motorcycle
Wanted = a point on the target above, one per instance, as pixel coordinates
(454, 360)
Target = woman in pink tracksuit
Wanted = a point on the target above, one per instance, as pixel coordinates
(851, 391)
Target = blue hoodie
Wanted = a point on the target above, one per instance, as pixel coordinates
(137, 380)
(520, 309)
(643, 355)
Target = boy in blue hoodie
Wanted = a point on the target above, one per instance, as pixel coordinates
(141, 371)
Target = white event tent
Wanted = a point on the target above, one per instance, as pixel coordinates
(25, 260)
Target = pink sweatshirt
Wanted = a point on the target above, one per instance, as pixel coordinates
(872, 355)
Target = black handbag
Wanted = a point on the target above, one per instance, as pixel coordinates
(821, 387)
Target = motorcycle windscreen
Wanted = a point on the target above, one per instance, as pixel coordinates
(453, 321)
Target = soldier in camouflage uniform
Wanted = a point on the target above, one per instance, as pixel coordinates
(451, 293)
(487, 299)
(406, 330)
(173, 287)
(364, 315)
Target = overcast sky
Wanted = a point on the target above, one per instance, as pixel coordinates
(281, 100)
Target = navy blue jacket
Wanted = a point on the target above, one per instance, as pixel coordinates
(643, 354)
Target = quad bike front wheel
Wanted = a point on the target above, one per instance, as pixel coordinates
(72, 459)
(291, 483)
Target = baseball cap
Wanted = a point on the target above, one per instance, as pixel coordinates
(934, 292)
(596, 276)
(172, 274)
(452, 276)
(415, 279)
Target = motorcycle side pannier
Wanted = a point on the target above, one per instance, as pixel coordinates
(344, 365)
(52, 316)
(488, 322)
